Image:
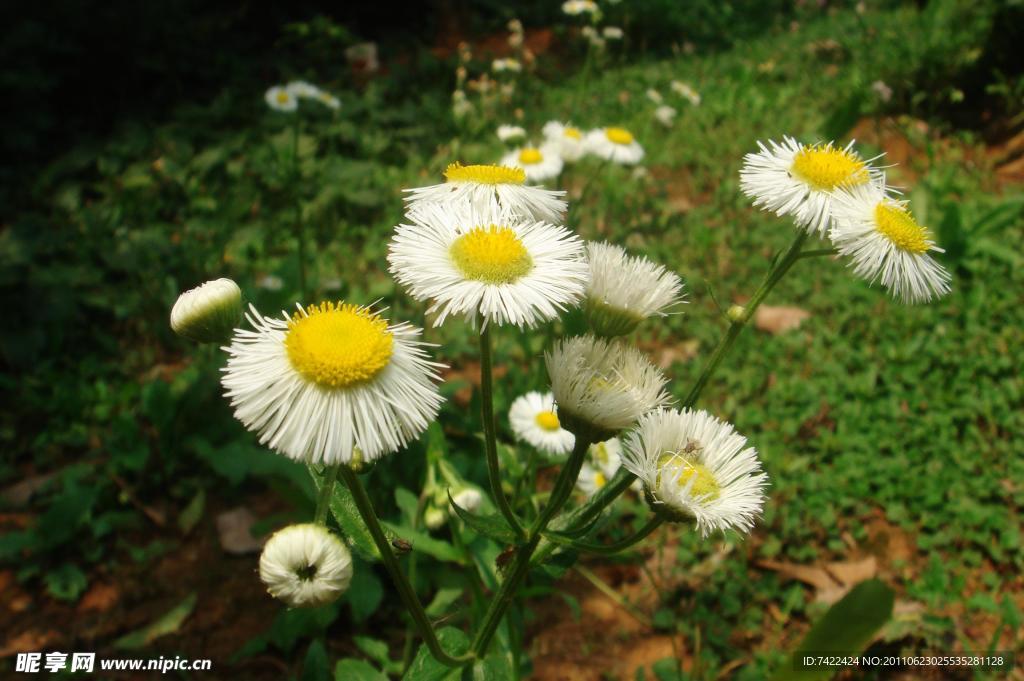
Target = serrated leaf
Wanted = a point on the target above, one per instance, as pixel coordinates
(425, 668)
(424, 543)
(493, 525)
(343, 508)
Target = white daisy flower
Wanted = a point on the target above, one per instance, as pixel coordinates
(482, 185)
(509, 133)
(280, 99)
(300, 88)
(606, 456)
(567, 138)
(654, 96)
(332, 383)
(665, 115)
(209, 312)
(591, 479)
(886, 244)
(684, 90)
(577, 7)
(614, 144)
(534, 419)
(695, 467)
(306, 566)
(602, 385)
(539, 163)
(493, 263)
(625, 290)
(799, 180)
(612, 33)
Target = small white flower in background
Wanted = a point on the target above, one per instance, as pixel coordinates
(695, 467)
(468, 499)
(886, 244)
(209, 312)
(329, 100)
(489, 263)
(332, 383)
(306, 566)
(591, 479)
(665, 115)
(800, 180)
(534, 419)
(606, 456)
(654, 96)
(593, 36)
(577, 7)
(614, 144)
(685, 91)
(270, 282)
(515, 38)
(883, 91)
(567, 138)
(461, 106)
(612, 33)
(434, 517)
(363, 57)
(624, 290)
(279, 98)
(539, 163)
(602, 385)
(481, 185)
(300, 88)
(507, 64)
(509, 133)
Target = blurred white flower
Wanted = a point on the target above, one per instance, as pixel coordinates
(567, 138)
(883, 91)
(612, 33)
(509, 133)
(507, 64)
(461, 106)
(614, 144)
(270, 282)
(539, 163)
(666, 115)
(329, 100)
(684, 90)
(306, 566)
(279, 98)
(300, 88)
(654, 96)
(577, 7)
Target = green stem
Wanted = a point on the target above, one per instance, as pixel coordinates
(521, 566)
(323, 501)
(611, 593)
(300, 233)
(621, 545)
(490, 438)
(405, 591)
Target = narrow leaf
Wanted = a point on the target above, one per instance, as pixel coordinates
(493, 525)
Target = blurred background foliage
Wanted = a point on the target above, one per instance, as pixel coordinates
(138, 160)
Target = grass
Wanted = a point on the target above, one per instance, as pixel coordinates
(871, 415)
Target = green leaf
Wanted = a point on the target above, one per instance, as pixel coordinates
(365, 593)
(425, 668)
(407, 503)
(188, 518)
(294, 624)
(846, 629)
(343, 508)
(168, 623)
(442, 600)
(424, 543)
(356, 670)
(316, 666)
(493, 525)
(377, 651)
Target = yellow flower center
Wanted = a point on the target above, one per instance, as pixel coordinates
(898, 226)
(530, 156)
(618, 135)
(493, 255)
(600, 452)
(456, 172)
(338, 345)
(573, 133)
(599, 480)
(824, 167)
(705, 486)
(283, 97)
(548, 420)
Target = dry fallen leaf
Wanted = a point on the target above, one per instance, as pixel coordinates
(28, 642)
(776, 320)
(831, 581)
(99, 598)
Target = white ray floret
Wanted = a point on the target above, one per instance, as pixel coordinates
(696, 467)
(488, 263)
(279, 98)
(567, 138)
(540, 163)
(601, 385)
(800, 180)
(624, 290)
(482, 185)
(614, 144)
(332, 383)
(534, 419)
(306, 566)
(887, 245)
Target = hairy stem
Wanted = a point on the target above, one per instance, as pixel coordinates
(323, 501)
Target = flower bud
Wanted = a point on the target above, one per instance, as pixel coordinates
(306, 566)
(208, 313)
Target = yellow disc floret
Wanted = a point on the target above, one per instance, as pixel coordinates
(824, 167)
(599, 480)
(283, 97)
(493, 255)
(337, 345)
(529, 156)
(548, 420)
(456, 172)
(683, 467)
(572, 132)
(898, 226)
(618, 136)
